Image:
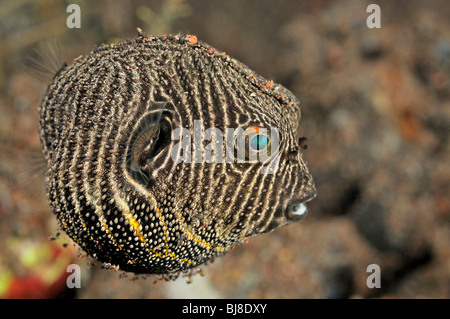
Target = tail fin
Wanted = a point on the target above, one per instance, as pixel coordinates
(45, 61)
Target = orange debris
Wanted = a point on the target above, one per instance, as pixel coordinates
(192, 39)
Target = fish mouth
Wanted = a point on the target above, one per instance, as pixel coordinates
(298, 210)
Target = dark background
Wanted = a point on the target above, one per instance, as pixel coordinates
(376, 112)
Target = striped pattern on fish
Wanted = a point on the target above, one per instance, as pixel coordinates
(107, 127)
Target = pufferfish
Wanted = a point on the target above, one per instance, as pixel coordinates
(110, 126)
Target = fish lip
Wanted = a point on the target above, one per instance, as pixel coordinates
(297, 210)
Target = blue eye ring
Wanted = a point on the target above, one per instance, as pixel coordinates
(257, 140)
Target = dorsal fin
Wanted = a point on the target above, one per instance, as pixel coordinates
(45, 61)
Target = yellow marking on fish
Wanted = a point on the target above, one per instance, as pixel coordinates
(135, 224)
(123, 206)
(125, 209)
(161, 218)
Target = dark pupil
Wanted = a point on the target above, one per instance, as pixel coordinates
(259, 142)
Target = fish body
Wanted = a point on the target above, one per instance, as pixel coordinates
(140, 140)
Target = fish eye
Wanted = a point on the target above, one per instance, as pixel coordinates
(257, 141)
(253, 142)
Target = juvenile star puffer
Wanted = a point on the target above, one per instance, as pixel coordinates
(149, 146)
